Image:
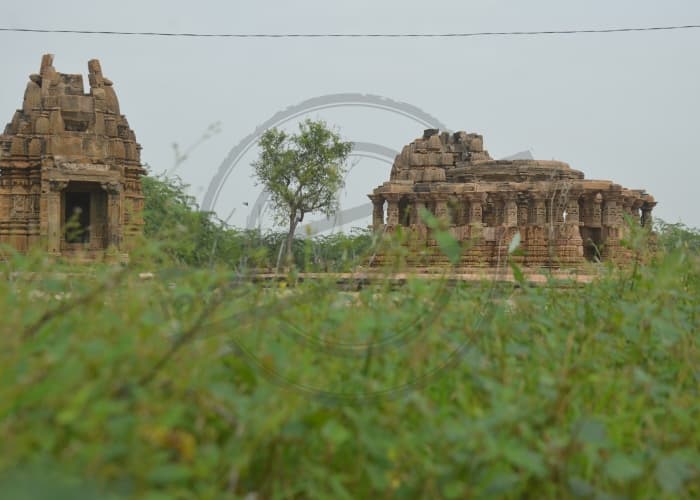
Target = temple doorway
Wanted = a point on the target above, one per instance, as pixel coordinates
(77, 217)
(592, 243)
(404, 212)
(84, 216)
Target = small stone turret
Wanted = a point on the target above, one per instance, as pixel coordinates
(69, 160)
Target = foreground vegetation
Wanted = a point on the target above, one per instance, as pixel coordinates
(199, 384)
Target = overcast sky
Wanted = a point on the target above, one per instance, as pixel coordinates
(616, 106)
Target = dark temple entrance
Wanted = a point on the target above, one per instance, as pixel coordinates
(84, 216)
(77, 217)
(592, 243)
(404, 212)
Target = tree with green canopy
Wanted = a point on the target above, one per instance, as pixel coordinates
(302, 172)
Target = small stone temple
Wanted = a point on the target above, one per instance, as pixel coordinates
(70, 168)
(563, 219)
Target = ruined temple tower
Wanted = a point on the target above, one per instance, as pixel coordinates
(563, 219)
(70, 168)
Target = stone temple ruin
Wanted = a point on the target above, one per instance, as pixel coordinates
(563, 219)
(70, 168)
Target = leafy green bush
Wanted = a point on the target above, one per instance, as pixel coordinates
(185, 234)
(672, 236)
(197, 384)
(190, 237)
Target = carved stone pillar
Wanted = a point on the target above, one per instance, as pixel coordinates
(612, 222)
(612, 212)
(392, 213)
(593, 212)
(572, 211)
(523, 209)
(538, 212)
(570, 243)
(377, 212)
(53, 215)
(510, 211)
(498, 204)
(476, 210)
(535, 233)
(441, 211)
(556, 208)
(509, 223)
(114, 227)
(417, 203)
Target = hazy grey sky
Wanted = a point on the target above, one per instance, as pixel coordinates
(616, 106)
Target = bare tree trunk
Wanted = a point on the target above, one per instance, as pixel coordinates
(290, 239)
(279, 257)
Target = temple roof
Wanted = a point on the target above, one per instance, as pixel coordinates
(60, 122)
(453, 163)
(461, 157)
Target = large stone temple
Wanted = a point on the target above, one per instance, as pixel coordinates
(70, 168)
(563, 219)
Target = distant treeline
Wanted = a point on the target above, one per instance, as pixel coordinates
(197, 238)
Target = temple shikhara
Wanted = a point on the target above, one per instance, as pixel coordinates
(563, 219)
(70, 168)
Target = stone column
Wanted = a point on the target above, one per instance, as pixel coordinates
(573, 221)
(54, 215)
(416, 204)
(377, 212)
(570, 243)
(496, 218)
(510, 211)
(611, 219)
(611, 214)
(536, 236)
(523, 209)
(557, 206)
(476, 210)
(474, 254)
(537, 216)
(392, 213)
(114, 227)
(509, 229)
(597, 215)
(441, 211)
(522, 217)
